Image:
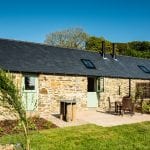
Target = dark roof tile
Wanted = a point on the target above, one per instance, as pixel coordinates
(39, 58)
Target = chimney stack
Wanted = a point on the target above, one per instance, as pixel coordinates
(114, 51)
(103, 49)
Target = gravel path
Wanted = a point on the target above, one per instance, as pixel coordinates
(61, 123)
(99, 118)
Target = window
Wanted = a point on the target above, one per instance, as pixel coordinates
(29, 83)
(143, 89)
(88, 64)
(95, 84)
(100, 84)
(144, 69)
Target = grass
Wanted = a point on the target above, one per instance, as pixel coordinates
(89, 137)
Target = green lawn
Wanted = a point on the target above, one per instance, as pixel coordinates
(89, 137)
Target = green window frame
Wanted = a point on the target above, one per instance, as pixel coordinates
(100, 84)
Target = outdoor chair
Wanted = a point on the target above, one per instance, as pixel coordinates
(118, 107)
(111, 105)
(127, 105)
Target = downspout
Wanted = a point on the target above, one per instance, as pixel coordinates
(129, 87)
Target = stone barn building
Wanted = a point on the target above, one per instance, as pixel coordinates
(47, 74)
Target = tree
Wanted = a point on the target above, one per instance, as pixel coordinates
(11, 99)
(135, 53)
(122, 48)
(77, 38)
(95, 44)
(139, 45)
(70, 38)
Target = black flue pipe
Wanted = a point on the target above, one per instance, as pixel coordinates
(113, 50)
(103, 49)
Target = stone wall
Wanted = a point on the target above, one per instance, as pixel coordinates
(116, 88)
(17, 78)
(53, 88)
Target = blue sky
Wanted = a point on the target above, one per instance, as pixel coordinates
(116, 20)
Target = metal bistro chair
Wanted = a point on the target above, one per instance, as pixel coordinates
(118, 107)
(127, 105)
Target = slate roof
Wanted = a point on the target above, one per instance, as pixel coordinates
(19, 56)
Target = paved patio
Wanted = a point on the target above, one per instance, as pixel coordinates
(99, 118)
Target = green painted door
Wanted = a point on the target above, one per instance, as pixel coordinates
(92, 99)
(29, 92)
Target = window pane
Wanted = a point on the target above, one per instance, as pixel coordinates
(144, 69)
(88, 64)
(29, 83)
(100, 84)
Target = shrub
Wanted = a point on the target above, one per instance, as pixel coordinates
(146, 106)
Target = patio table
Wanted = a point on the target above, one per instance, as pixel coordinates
(67, 110)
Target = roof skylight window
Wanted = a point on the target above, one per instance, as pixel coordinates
(144, 69)
(88, 64)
